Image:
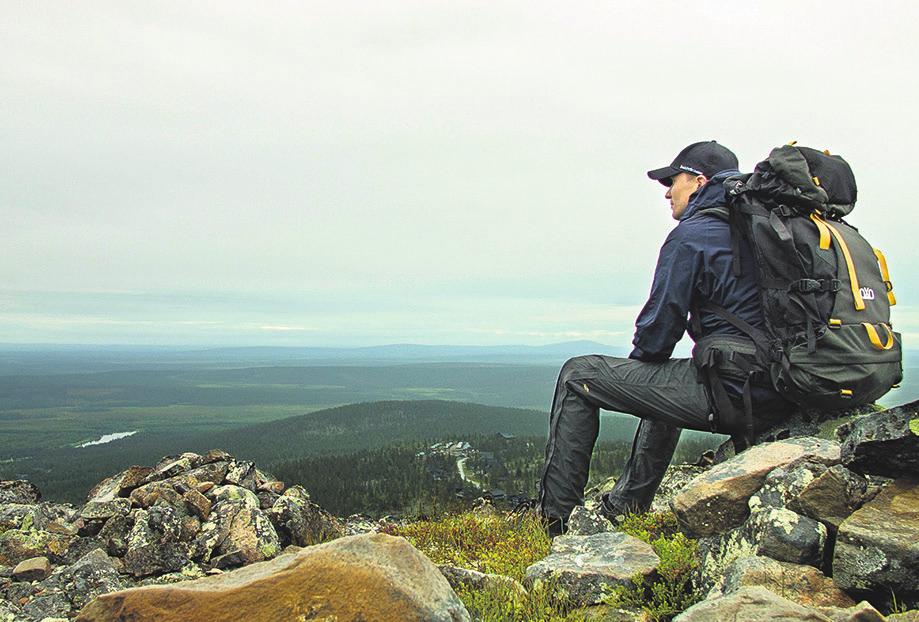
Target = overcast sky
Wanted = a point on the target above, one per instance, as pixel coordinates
(356, 173)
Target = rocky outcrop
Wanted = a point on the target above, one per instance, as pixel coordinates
(717, 500)
(370, 577)
(877, 548)
(884, 443)
(175, 521)
(583, 566)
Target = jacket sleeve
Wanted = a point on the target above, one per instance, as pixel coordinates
(662, 321)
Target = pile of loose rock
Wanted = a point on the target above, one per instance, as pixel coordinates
(793, 529)
(184, 518)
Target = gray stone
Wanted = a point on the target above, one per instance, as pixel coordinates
(877, 547)
(94, 574)
(114, 534)
(50, 605)
(235, 494)
(473, 579)
(771, 532)
(154, 545)
(119, 485)
(18, 491)
(17, 545)
(583, 522)
(862, 612)
(104, 510)
(884, 443)
(9, 612)
(242, 473)
(217, 455)
(584, 565)
(717, 500)
(301, 522)
(750, 604)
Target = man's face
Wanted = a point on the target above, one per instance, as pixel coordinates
(681, 188)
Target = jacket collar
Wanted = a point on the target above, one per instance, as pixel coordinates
(709, 195)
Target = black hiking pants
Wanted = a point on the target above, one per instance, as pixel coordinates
(667, 396)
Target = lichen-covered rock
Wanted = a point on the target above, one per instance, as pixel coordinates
(104, 510)
(119, 485)
(677, 477)
(18, 545)
(95, 573)
(51, 604)
(148, 494)
(805, 585)
(154, 544)
(32, 569)
(9, 612)
(472, 579)
(217, 455)
(583, 522)
(301, 522)
(828, 494)
(750, 604)
(242, 473)
(776, 533)
(370, 577)
(877, 547)
(583, 565)
(114, 534)
(233, 494)
(716, 501)
(18, 491)
(884, 443)
(249, 533)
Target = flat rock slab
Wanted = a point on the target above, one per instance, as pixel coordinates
(716, 501)
(750, 604)
(884, 443)
(32, 569)
(368, 577)
(583, 565)
(805, 585)
(877, 547)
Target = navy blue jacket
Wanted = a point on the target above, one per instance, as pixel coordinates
(694, 266)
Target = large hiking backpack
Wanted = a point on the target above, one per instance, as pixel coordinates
(826, 293)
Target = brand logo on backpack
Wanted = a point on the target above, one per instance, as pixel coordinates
(867, 293)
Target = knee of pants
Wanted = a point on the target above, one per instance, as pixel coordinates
(575, 367)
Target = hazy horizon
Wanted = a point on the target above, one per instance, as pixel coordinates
(418, 172)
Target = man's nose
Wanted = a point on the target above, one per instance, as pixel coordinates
(667, 194)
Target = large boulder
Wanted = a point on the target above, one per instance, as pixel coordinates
(884, 443)
(750, 604)
(18, 545)
(156, 543)
(717, 500)
(583, 566)
(369, 577)
(239, 533)
(93, 574)
(777, 533)
(877, 547)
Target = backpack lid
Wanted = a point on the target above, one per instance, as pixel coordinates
(814, 178)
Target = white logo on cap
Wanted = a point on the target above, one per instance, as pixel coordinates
(691, 170)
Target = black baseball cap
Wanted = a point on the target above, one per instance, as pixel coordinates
(702, 158)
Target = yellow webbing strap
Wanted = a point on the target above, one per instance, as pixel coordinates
(875, 339)
(824, 232)
(853, 277)
(885, 274)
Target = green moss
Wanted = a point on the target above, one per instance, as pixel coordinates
(670, 592)
(914, 426)
(495, 543)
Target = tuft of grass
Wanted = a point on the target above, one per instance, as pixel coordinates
(670, 592)
(495, 543)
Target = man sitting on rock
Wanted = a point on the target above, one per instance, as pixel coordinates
(694, 267)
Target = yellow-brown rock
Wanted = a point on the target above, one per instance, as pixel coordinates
(371, 577)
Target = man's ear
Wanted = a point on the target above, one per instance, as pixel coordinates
(701, 180)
